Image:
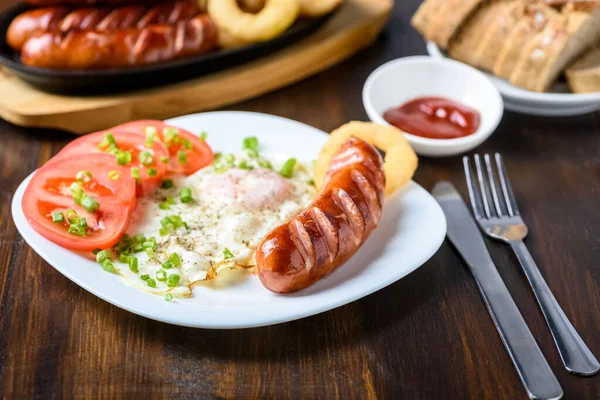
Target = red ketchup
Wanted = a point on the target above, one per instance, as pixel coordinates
(434, 118)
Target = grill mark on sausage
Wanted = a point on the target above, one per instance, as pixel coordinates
(352, 212)
(370, 194)
(328, 232)
(303, 243)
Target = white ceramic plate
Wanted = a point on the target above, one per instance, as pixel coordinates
(412, 230)
(553, 104)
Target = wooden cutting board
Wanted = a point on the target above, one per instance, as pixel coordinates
(355, 26)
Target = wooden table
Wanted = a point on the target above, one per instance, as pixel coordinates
(428, 336)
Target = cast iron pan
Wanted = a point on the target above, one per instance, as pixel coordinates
(119, 80)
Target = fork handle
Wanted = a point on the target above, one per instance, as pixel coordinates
(575, 355)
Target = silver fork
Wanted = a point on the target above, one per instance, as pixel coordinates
(497, 214)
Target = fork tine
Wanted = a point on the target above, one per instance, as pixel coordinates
(474, 194)
(509, 196)
(493, 184)
(482, 186)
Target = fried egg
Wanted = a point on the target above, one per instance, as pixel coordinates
(234, 204)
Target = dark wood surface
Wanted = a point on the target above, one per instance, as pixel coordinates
(428, 336)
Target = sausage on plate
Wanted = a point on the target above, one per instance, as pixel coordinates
(330, 230)
(62, 19)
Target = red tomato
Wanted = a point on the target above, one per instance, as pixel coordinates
(48, 192)
(197, 153)
(135, 144)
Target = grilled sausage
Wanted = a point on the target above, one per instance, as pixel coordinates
(35, 22)
(46, 3)
(331, 230)
(78, 50)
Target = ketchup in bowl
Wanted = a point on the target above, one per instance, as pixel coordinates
(434, 118)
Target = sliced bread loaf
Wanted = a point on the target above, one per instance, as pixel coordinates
(535, 19)
(462, 47)
(553, 49)
(584, 75)
(425, 14)
(449, 19)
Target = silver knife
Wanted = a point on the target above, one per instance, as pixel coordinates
(533, 369)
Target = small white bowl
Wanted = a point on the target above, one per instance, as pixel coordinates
(405, 79)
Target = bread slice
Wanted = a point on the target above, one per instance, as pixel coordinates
(449, 19)
(425, 15)
(553, 49)
(535, 19)
(584, 75)
(492, 42)
(462, 47)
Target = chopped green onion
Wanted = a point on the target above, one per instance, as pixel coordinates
(148, 245)
(139, 238)
(76, 230)
(163, 231)
(58, 218)
(229, 159)
(103, 256)
(265, 164)
(167, 265)
(151, 172)
(82, 223)
(150, 252)
(227, 254)
(165, 160)
(146, 158)
(182, 157)
(133, 264)
(83, 176)
(135, 173)
(288, 168)
(175, 259)
(95, 252)
(72, 216)
(161, 275)
(150, 135)
(164, 206)
(123, 258)
(113, 175)
(108, 266)
(173, 280)
(167, 184)
(151, 282)
(187, 144)
(168, 297)
(203, 136)
(124, 158)
(145, 277)
(171, 134)
(90, 204)
(110, 139)
(137, 248)
(244, 165)
(186, 195)
(251, 143)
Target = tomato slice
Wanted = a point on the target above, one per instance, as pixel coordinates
(135, 144)
(198, 154)
(48, 192)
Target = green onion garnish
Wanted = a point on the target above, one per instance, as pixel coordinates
(187, 144)
(167, 265)
(150, 135)
(90, 204)
(161, 275)
(288, 168)
(139, 238)
(165, 160)
(133, 264)
(110, 139)
(167, 184)
(145, 277)
(244, 165)
(113, 175)
(123, 258)
(103, 256)
(186, 195)
(150, 252)
(227, 254)
(171, 134)
(72, 216)
(135, 173)
(168, 297)
(137, 248)
(175, 259)
(82, 223)
(146, 158)
(265, 164)
(182, 157)
(173, 280)
(83, 176)
(108, 266)
(151, 172)
(58, 218)
(95, 252)
(124, 158)
(203, 136)
(151, 282)
(251, 143)
(164, 206)
(76, 230)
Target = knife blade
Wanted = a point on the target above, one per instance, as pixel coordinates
(531, 365)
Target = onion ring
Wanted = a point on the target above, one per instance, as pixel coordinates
(400, 161)
(276, 17)
(252, 6)
(318, 8)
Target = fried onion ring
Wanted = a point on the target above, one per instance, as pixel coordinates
(252, 6)
(276, 17)
(318, 8)
(400, 161)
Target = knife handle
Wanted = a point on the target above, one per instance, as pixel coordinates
(533, 369)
